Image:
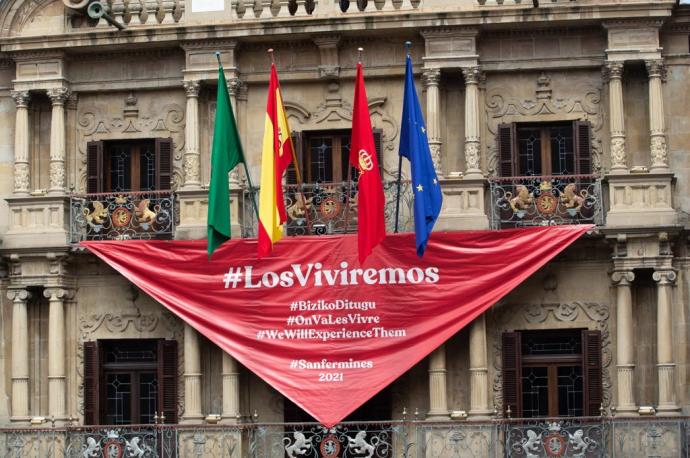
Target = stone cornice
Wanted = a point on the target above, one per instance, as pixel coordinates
(304, 28)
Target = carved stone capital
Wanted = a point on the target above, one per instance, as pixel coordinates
(72, 101)
(329, 71)
(58, 96)
(656, 69)
(192, 88)
(58, 294)
(21, 98)
(235, 86)
(431, 77)
(623, 277)
(664, 277)
(18, 295)
(613, 70)
(472, 75)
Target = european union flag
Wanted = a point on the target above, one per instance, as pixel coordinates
(414, 145)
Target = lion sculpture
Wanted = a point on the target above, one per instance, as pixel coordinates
(522, 199)
(571, 198)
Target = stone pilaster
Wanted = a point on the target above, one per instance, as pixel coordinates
(472, 132)
(20, 355)
(236, 90)
(479, 371)
(192, 377)
(192, 161)
(22, 177)
(438, 397)
(667, 404)
(56, 352)
(58, 97)
(231, 390)
(614, 73)
(625, 359)
(657, 126)
(432, 78)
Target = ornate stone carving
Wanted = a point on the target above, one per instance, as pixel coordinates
(431, 77)
(656, 69)
(659, 151)
(533, 314)
(21, 98)
(18, 295)
(471, 74)
(612, 70)
(57, 174)
(58, 96)
(235, 86)
(191, 168)
(472, 156)
(664, 277)
(618, 151)
(622, 277)
(501, 105)
(115, 323)
(58, 294)
(21, 177)
(192, 88)
(544, 87)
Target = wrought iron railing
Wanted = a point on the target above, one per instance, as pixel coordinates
(122, 216)
(545, 201)
(325, 209)
(591, 437)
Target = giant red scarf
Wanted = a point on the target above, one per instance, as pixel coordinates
(319, 328)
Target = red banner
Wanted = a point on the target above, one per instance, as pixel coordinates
(321, 329)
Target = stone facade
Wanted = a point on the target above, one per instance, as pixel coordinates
(66, 80)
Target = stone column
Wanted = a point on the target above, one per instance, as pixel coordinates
(657, 128)
(432, 78)
(235, 87)
(664, 343)
(438, 397)
(56, 352)
(231, 390)
(58, 97)
(479, 371)
(614, 72)
(22, 179)
(472, 132)
(625, 359)
(192, 377)
(192, 162)
(20, 355)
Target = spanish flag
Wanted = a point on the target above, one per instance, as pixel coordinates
(277, 155)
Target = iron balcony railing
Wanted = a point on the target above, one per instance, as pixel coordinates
(122, 216)
(331, 208)
(545, 201)
(591, 437)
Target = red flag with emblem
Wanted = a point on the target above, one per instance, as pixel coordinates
(371, 226)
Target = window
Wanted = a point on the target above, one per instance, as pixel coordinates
(128, 381)
(324, 156)
(129, 166)
(552, 373)
(544, 149)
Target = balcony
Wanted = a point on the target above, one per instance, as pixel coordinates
(122, 216)
(559, 437)
(326, 209)
(545, 201)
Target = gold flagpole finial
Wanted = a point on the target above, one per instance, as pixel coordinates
(270, 53)
(408, 46)
(359, 52)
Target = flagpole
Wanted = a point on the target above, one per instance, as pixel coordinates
(408, 45)
(349, 166)
(244, 162)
